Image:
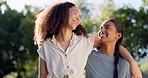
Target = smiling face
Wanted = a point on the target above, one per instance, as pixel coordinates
(74, 17)
(108, 32)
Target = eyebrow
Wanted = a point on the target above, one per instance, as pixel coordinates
(106, 25)
(75, 10)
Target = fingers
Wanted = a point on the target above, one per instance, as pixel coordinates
(136, 74)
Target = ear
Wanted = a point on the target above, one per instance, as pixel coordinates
(119, 35)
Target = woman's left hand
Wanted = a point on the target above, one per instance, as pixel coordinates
(135, 71)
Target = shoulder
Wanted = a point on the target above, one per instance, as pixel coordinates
(91, 36)
(123, 62)
(122, 59)
(44, 43)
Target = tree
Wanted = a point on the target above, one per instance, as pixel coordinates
(26, 29)
(107, 10)
(9, 40)
(136, 28)
(145, 2)
(87, 18)
(17, 51)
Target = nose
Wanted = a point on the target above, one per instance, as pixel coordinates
(78, 19)
(102, 29)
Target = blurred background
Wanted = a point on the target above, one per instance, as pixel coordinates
(18, 56)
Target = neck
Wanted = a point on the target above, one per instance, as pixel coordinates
(108, 48)
(64, 35)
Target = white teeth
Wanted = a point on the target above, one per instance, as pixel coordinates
(103, 35)
(75, 22)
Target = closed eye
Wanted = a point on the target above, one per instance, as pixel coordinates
(74, 13)
(107, 27)
(101, 27)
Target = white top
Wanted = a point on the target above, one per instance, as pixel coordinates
(100, 65)
(72, 62)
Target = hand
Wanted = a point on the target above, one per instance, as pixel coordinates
(134, 70)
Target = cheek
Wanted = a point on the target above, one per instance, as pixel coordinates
(79, 23)
(113, 35)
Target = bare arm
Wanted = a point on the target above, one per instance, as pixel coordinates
(125, 54)
(42, 69)
(97, 42)
(134, 69)
(123, 51)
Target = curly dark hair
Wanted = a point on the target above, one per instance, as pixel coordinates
(51, 20)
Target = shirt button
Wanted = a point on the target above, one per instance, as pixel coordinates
(66, 76)
(67, 66)
(65, 55)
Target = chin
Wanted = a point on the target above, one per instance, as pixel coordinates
(103, 40)
(74, 27)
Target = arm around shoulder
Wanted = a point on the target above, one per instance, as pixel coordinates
(125, 54)
(134, 69)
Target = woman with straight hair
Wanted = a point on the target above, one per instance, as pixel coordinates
(106, 62)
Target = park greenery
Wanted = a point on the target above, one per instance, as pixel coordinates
(18, 54)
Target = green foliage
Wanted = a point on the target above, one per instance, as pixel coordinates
(107, 9)
(135, 22)
(136, 28)
(17, 50)
(145, 2)
(9, 40)
(90, 23)
(26, 29)
(144, 68)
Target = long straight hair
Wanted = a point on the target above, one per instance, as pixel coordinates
(120, 29)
